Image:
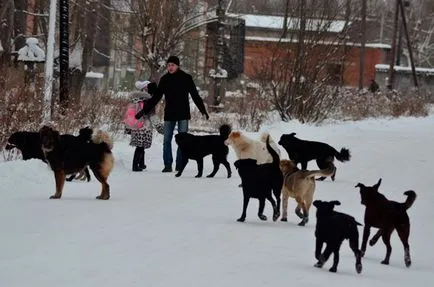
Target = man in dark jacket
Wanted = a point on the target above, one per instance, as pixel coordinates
(175, 85)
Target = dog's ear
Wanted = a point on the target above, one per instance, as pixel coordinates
(361, 185)
(335, 202)
(316, 202)
(377, 185)
(292, 134)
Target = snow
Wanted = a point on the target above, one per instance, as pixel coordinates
(321, 42)
(420, 70)
(158, 230)
(276, 22)
(1, 47)
(31, 52)
(95, 75)
(76, 57)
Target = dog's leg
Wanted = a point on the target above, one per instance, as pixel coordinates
(318, 248)
(303, 165)
(59, 176)
(245, 204)
(386, 233)
(184, 162)
(105, 191)
(404, 233)
(354, 245)
(325, 256)
(86, 171)
(199, 167)
(71, 177)
(305, 216)
(285, 197)
(322, 164)
(375, 238)
(261, 209)
(216, 165)
(334, 267)
(277, 191)
(298, 211)
(366, 232)
(273, 203)
(228, 167)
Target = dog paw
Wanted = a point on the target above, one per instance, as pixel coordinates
(102, 197)
(198, 175)
(241, 219)
(318, 265)
(302, 223)
(284, 219)
(372, 242)
(178, 174)
(262, 217)
(359, 268)
(229, 175)
(210, 175)
(55, 197)
(276, 216)
(333, 269)
(385, 262)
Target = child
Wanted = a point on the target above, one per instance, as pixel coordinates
(141, 129)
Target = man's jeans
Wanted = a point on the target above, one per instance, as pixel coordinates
(169, 127)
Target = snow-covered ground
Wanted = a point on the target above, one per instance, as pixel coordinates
(158, 230)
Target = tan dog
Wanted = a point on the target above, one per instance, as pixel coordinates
(300, 185)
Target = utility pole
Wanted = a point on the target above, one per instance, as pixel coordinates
(48, 85)
(391, 79)
(362, 46)
(64, 54)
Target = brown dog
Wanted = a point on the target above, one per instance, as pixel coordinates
(67, 155)
(299, 184)
(386, 215)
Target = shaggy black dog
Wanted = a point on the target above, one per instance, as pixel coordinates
(257, 182)
(196, 147)
(28, 143)
(332, 228)
(68, 154)
(303, 151)
(386, 215)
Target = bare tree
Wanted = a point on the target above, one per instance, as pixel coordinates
(155, 29)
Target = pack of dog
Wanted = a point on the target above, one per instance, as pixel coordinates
(196, 147)
(332, 228)
(29, 144)
(300, 185)
(386, 215)
(303, 151)
(69, 155)
(257, 182)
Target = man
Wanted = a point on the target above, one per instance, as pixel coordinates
(175, 85)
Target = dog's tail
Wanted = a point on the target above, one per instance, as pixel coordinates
(343, 155)
(322, 172)
(274, 154)
(411, 197)
(225, 130)
(102, 137)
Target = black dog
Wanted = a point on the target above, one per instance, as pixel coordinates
(257, 182)
(68, 154)
(303, 151)
(386, 215)
(333, 228)
(196, 147)
(28, 143)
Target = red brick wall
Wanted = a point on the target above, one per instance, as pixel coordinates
(259, 53)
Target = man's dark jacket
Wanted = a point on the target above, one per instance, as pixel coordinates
(175, 87)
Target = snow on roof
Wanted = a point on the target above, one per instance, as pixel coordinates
(386, 67)
(95, 75)
(31, 52)
(276, 22)
(286, 40)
